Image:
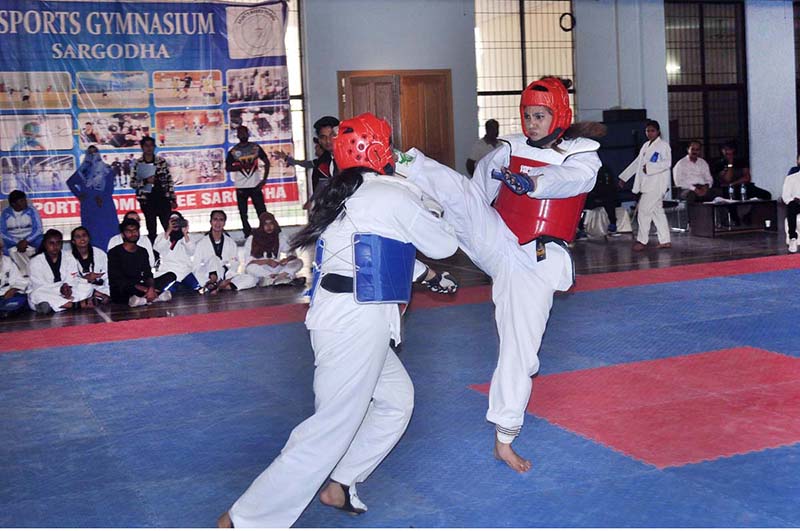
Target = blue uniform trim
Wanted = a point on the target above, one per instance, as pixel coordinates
(315, 269)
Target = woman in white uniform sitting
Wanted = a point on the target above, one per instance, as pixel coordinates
(216, 259)
(175, 249)
(268, 257)
(55, 285)
(363, 395)
(92, 264)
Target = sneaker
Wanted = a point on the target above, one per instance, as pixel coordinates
(135, 302)
(44, 307)
(793, 245)
(165, 296)
(299, 281)
(612, 228)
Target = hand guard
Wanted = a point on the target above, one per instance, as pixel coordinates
(442, 283)
(519, 183)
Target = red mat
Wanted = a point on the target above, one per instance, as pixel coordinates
(680, 410)
(290, 313)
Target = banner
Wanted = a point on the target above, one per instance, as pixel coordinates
(74, 74)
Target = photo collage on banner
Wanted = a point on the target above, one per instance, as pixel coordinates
(110, 74)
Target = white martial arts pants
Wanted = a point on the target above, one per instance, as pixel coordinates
(266, 274)
(51, 294)
(651, 208)
(522, 288)
(364, 400)
(22, 260)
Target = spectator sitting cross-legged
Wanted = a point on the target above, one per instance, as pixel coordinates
(55, 283)
(175, 249)
(129, 274)
(12, 286)
(216, 259)
(268, 257)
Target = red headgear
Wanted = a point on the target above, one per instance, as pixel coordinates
(549, 92)
(364, 141)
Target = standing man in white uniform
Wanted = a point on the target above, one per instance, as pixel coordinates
(517, 234)
(364, 397)
(652, 171)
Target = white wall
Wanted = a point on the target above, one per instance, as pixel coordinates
(769, 31)
(392, 35)
(620, 58)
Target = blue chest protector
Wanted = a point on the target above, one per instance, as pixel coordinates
(384, 269)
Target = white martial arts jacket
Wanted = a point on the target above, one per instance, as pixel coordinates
(206, 261)
(385, 206)
(100, 266)
(656, 156)
(177, 260)
(791, 188)
(10, 277)
(44, 288)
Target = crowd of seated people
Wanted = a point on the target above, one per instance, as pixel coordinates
(36, 271)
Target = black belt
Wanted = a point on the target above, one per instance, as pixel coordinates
(337, 283)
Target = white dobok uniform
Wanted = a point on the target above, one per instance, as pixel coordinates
(44, 288)
(143, 242)
(363, 395)
(266, 273)
(11, 277)
(657, 157)
(227, 267)
(522, 287)
(100, 266)
(177, 260)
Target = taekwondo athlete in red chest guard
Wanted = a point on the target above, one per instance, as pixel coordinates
(514, 219)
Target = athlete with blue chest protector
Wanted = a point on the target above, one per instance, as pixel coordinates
(369, 226)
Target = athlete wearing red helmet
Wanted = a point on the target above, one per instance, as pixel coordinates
(517, 234)
(364, 141)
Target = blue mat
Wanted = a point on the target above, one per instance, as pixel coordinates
(168, 432)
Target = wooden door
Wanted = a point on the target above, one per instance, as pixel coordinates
(417, 103)
(379, 95)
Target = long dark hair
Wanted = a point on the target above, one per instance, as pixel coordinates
(75, 252)
(329, 205)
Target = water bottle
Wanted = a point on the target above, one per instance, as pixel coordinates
(730, 192)
(743, 191)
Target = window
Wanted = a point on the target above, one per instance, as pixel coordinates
(516, 42)
(706, 75)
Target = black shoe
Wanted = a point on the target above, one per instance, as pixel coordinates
(298, 281)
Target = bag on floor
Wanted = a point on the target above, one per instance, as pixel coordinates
(596, 223)
(623, 220)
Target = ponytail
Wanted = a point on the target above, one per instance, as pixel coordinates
(328, 205)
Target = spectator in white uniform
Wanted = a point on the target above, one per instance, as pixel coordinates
(484, 146)
(216, 259)
(92, 264)
(55, 283)
(175, 249)
(12, 286)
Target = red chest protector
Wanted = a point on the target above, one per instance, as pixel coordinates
(529, 218)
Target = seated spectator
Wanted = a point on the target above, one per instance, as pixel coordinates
(484, 146)
(129, 274)
(791, 196)
(216, 259)
(21, 228)
(143, 242)
(175, 249)
(55, 283)
(268, 258)
(12, 287)
(693, 176)
(92, 264)
(731, 170)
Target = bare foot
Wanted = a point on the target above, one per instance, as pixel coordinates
(333, 495)
(504, 452)
(225, 521)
